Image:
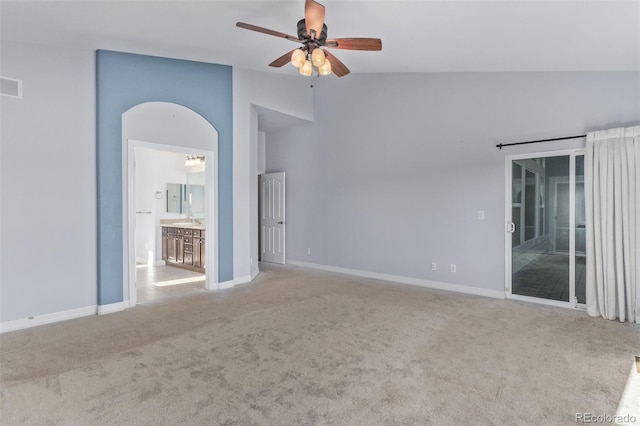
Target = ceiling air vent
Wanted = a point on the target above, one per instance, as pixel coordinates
(10, 87)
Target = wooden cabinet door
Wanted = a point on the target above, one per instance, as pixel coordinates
(179, 248)
(202, 256)
(165, 241)
(197, 259)
(171, 248)
(199, 253)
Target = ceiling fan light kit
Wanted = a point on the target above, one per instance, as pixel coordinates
(306, 68)
(312, 33)
(300, 60)
(325, 69)
(317, 57)
(298, 57)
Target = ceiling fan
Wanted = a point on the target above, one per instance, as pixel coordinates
(312, 33)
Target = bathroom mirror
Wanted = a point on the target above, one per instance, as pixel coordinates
(195, 191)
(175, 193)
(187, 198)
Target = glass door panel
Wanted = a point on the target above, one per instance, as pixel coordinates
(562, 228)
(539, 268)
(541, 205)
(516, 202)
(530, 206)
(581, 251)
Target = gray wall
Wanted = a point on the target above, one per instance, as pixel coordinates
(282, 93)
(302, 153)
(392, 172)
(48, 186)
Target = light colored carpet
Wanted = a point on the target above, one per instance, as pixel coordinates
(305, 347)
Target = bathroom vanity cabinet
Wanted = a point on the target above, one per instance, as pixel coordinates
(184, 247)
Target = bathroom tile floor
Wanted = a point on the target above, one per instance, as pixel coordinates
(161, 282)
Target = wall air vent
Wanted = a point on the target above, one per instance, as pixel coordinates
(10, 87)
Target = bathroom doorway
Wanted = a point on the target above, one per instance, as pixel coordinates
(169, 189)
(175, 132)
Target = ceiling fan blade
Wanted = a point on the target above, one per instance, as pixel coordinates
(282, 60)
(355, 43)
(266, 31)
(314, 17)
(337, 67)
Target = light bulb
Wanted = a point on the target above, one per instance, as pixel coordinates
(317, 57)
(306, 68)
(298, 57)
(325, 69)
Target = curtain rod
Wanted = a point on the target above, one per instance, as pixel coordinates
(540, 140)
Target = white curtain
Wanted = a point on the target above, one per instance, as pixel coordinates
(612, 198)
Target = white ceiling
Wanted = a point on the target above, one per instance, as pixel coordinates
(417, 36)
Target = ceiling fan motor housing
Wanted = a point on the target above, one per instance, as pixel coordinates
(302, 33)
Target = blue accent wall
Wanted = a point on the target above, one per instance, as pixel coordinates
(123, 81)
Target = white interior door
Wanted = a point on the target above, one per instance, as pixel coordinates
(272, 217)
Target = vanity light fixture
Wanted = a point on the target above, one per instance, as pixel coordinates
(194, 160)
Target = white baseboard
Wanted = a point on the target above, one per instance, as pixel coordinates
(237, 281)
(226, 284)
(403, 280)
(112, 307)
(242, 280)
(37, 320)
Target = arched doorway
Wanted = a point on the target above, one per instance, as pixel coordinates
(173, 128)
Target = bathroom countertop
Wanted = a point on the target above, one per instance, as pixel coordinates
(182, 223)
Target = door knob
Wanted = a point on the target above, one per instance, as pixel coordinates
(512, 227)
(281, 222)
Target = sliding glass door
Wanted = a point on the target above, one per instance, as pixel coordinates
(580, 234)
(545, 228)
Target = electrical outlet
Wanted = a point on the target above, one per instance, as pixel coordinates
(308, 251)
(433, 266)
(453, 267)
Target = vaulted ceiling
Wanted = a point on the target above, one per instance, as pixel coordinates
(417, 36)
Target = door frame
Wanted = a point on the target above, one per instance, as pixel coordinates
(129, 215)
(572, 153)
